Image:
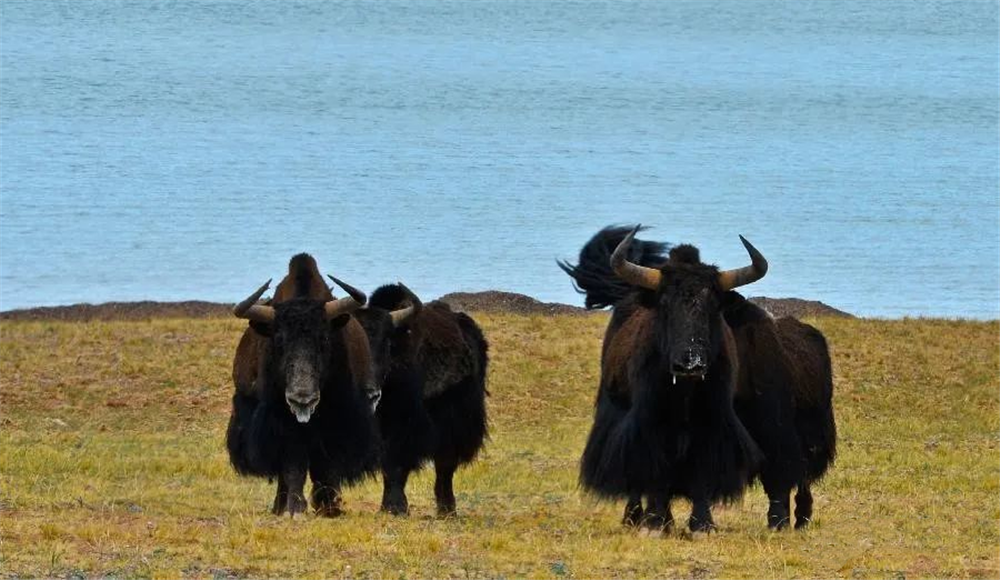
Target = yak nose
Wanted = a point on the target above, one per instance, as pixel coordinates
(303, 399)
(691, 362)
(302, 405)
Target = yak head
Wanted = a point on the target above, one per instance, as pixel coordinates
(300, 329)
(383, 318)
(689, 297)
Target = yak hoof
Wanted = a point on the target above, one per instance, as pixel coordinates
(777, 524)
(447, 511)
(802, 523)
(296, 505)
(698, 526)
(330, 511)
(280, 503)
(647, 532)
(633, 516)
(396, 509)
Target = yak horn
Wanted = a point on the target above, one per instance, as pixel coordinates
(633, 273)
(250, 310)
(341, 306)
(730, 279)
(403, 315)
(353, 292)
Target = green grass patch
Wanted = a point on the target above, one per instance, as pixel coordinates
(112, 464)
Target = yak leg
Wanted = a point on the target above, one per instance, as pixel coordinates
(280, 498)
(778, 506)
(326, 489)
(803, 505)
(394, 490)
(633, 511)
(444, 472)
(658, 516)
(295, 465)
(294, 477)
(701, 516)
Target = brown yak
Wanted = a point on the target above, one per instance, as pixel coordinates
(301, 374)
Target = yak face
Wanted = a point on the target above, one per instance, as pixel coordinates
(689, 296)
(386, 321)
(299, 321)
(688, 314)
(377, 324)
(300, 354)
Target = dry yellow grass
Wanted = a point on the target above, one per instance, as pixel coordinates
(112, 463)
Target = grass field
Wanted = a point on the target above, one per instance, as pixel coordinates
(112, 464)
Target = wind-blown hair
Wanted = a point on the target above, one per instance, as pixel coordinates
(593, 275)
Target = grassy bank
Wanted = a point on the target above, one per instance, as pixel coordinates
(112, 463)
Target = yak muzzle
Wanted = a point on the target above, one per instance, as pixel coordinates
(692, 362)
(302, 407)
(302, 388)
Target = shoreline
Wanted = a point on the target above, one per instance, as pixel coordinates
(492, 301)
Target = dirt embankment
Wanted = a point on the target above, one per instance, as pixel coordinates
(496, 301)
(489, 301)
(143, 310)
(798, 307)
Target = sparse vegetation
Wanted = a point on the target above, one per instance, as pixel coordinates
(112, 463)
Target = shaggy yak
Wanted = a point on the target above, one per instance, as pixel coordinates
(431, 364)
(701, 391)
(301, 373)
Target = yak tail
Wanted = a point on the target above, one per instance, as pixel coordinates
(474, 336)
(236, 439)
(593, 276)
(816, 424)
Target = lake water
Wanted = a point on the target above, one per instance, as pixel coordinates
(186, 149)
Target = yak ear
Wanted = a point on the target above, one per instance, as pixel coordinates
(262, 328)
(338, 322)
(730, 301)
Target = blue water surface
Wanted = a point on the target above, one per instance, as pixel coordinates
(170, 150)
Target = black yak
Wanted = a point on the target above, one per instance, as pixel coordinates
(431, 364)
(301, 373)
(688, 368)
(784, 397)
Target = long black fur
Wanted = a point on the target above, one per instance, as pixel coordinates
(653, 437)
(592, 275)
(238, 438)
(341, 436)
(673, 439)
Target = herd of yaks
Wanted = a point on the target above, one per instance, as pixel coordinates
(701, 391)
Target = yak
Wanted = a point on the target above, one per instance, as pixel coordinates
(784, 397)
(301, 373)
(431, 365)
(701, 391)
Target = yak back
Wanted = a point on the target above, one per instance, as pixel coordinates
(785, 359)
(796, 352)
(593, 276)
(446, 346)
